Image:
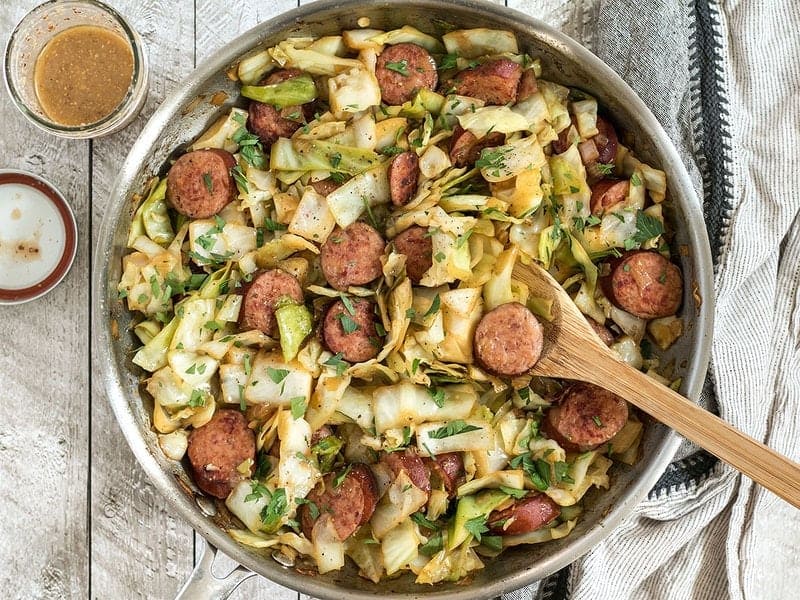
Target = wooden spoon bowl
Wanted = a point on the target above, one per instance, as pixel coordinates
(572, 350)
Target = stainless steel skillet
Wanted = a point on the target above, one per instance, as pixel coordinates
(189, 110)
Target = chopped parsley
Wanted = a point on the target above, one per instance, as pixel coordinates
(337, 362)
(537, 469)
(513, 492)
(561, 470)
(348, 304)
(449, 61)
(462, 239)
(434, 308)
(271, 514)
(647, 228)
(476, 526)
(298, 405)
(208, 182)
(348, 325)
(434, 544)
(240, 179)
(598, 423)
(313, 509)
(391, 150)
(439, 256)
(635, 179)
(605, 168)
(257, 491)
(271, 225)
(437, 395)
(453, 428)
(247, 367)
(336, 160)
(197, 399)
(423, 521)
(339, 479)
(398, 67)
(277, 375)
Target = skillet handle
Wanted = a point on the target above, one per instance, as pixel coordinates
(204, 585)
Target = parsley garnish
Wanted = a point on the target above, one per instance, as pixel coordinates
(208, 182)
(605, 168)
(339, 479)
(439, 256)
(462, 239)
(415, 366)
(257, 490)
(337, 362)
(561, 470)
(247, 367)
(398, 67)
(336, 159)
(298, 404)
(491, 158)
(647, 228)
(271, 514)
(423, 521)
(277, 375)
(537, 469)
(434, 308)
(348, 325)
(476, 526)
(313, 509)
(449, 61)
(391, 150)
(598, 423)
(437, 395)
(433, 545)
(453, 428)
(271, 225)
(347, 304)
(197, 399)
(635, 179)
(513, 492)
(240, 179)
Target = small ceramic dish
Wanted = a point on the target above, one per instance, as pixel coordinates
(38, 236)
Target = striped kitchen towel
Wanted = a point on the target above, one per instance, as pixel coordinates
(722, 78)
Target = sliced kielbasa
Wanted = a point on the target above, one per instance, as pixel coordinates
(605, 141)
(645, 284)
(415, 242)
(325, 186)
(402, 69)
(261, 297)
(562, 144)
(525, 515)
(349, 505)
(585, 416)
(410, 462)
(449, 468)
(352, 256)
(527, 85)
(608, 193)
(508, 340)
(602, 331)
(199, 184)
(494, 82)
(403, 175)
(466, 147)
(353, 334)
(217, 449)
(270, 122)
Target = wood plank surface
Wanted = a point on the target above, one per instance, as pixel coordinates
(44, 385)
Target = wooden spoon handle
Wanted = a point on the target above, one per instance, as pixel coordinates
(762, 464)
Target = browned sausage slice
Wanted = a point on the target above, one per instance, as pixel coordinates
(527, 85)
(325, 186)
(352, 256)
(349, 505)
(261, 296)
(416, 244)
(508, 340)
(494, 82)
(217, 449)
(606, 141)
(199, 184)
(402, 69)
(561, 144)
(403, 175)
(645, 284)
(410, 462)
(352, 334)
(585, 416)
(602, 331)
(465, 147)
(449, 468)
(525, 515)
(608, 193)
(269, 122)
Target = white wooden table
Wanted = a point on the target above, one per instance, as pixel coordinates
(79, 517)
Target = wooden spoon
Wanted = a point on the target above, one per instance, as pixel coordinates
(572, 350)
